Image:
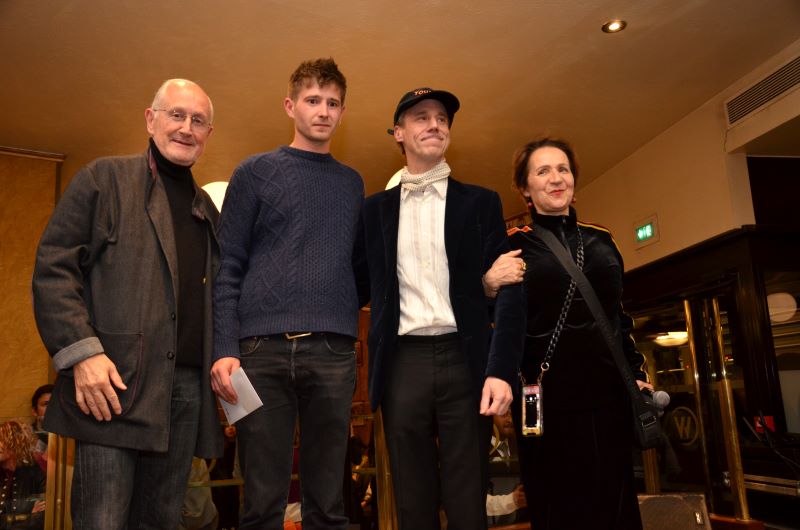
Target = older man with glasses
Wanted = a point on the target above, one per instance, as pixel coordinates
(122, 296)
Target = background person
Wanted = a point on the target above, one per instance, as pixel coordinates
(22, 482)
(39, 402)
(584, 457)
(502, 508)
(503, 444)
(506, 494)
(227, 498)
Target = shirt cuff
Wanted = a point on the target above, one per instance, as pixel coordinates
(500, 504)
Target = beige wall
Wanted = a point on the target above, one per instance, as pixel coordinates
(27, 195)
(684, 176)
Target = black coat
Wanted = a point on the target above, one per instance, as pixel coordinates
(582, 372)
(22, 489)
(587, 417)
(475, 236)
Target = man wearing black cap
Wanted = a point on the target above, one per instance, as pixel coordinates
(436, 369)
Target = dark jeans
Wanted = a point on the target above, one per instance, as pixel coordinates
(116, 488)
(430, 397)
(313, 377)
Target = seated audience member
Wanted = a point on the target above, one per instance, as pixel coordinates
(198, 511)
(502, 509)
(39, 401)
(503, 441)
(360, 508)
(22, 482)
(506, 495)
(226, 498)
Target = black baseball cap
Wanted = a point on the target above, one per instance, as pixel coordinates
(409, 99)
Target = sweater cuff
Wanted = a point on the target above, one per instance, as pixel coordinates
(222, 353)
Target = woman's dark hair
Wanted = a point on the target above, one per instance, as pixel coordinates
(523, 156)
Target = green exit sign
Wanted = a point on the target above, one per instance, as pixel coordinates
(645, 232)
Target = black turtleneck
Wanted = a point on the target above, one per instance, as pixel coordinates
(191, 242)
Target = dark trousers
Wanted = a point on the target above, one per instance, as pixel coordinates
(438, 443)
(115, 488)
(580, 473)
(313, 378)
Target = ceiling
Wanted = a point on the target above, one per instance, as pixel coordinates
(78, 74)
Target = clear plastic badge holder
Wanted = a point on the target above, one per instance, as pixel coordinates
(532, 416)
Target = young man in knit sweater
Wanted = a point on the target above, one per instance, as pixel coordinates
(286, 306)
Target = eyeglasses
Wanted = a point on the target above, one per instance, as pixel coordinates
(199, 123)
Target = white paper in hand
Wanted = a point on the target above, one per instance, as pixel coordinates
(248, 399)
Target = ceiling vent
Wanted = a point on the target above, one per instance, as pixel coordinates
(764, 92)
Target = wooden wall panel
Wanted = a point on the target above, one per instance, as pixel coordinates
(27, 196)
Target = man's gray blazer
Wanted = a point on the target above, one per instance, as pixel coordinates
(105, 280)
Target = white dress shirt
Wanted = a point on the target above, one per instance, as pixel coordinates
(422, 269)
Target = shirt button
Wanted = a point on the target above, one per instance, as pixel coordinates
(204, 280)
(172, 316)
(170, 355)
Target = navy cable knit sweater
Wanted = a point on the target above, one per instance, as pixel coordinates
(287, 232)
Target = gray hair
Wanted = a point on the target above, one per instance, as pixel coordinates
(159, 97)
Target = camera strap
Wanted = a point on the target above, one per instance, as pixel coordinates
(562, 317)
(597, 311)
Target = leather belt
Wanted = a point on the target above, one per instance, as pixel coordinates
(292, 336)
(427, 339)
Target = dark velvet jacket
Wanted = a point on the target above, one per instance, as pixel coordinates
(21, 490)
(582, 372)
(474, 237)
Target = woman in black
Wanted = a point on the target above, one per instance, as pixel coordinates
(579, 474)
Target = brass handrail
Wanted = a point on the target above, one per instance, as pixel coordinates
(387, 513)
(60, 458)
(732, 449)
(698, 400)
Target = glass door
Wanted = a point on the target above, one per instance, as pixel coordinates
(722, 398)
(662, 336)
(691, 355)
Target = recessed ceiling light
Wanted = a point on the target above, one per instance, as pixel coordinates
(614, 26)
